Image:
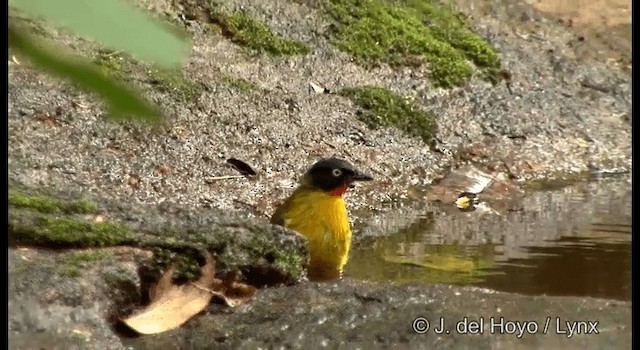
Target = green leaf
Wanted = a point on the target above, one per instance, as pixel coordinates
(122, 102)
(113, 23)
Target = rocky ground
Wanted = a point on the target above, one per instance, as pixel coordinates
(563, 114)
(562, 108)
(350, 314)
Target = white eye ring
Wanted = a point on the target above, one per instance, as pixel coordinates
(336, 172)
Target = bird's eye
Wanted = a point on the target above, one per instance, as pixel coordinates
(336, 172)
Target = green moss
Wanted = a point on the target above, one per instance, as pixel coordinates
(239, 84)
(412, 32)
(289, 261)
(283, 260)
(117, 277)
(48, 230)
(71, 271)
(74, 264)
(82, 258)
(382, 108)
(187, 267)
(254, 35)
(233, 252)
(115, 64)
(46, 204)
(173, 80)
(43, 221)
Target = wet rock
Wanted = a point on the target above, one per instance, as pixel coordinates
(267, 254)
(495, 188)
(348, 314)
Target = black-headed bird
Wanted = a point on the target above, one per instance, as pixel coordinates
(317, 210)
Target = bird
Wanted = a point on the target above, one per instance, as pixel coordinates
(317, 210)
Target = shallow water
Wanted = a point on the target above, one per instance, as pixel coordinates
(572, 241)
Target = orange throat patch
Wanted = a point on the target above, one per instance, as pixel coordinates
(340, 190)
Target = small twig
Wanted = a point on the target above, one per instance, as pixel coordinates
(329, 144)
(226, 177)
(205, 289)
(78, 104)
(15, 60)
(112, 53)
(506, 166)
(521, 36)
(590, 85)
(220, 295)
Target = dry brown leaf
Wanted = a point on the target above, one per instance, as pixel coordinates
(242, 167)
(163, 285)
(239, 293)
(232, 292)
(172, 305)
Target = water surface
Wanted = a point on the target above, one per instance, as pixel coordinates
(572, 241)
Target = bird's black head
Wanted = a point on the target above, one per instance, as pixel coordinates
(334, 175)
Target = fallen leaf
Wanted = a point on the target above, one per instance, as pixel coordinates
(233, 293)
(313, 87)
(173, 305)
(230, 291)
(163, 285)
(242, 167)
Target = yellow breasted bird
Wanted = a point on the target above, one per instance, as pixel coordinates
(317, 210)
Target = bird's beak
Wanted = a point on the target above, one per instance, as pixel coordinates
(358, 176)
